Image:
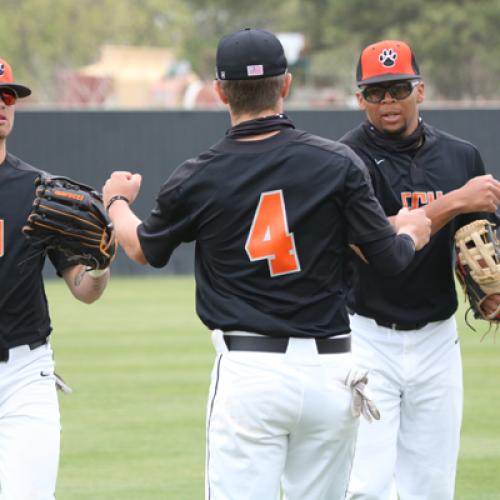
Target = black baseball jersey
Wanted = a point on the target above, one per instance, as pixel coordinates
(425, 290)
(24, 316)
(271, 220)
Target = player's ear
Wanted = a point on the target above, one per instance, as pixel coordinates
(287, 82)
(217, 85)
(420, 93)
(361, 101)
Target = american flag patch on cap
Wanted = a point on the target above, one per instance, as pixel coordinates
(255, 70)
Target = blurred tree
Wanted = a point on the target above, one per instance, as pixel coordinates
(42, 37)
(456, 41)
(458, 44)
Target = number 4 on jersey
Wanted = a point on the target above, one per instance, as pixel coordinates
(269, 237)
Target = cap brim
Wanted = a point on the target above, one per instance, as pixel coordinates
(20, 90)
(387, 78)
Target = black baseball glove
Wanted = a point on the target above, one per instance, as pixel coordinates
(69, 216)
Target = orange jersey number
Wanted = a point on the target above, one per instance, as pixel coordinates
(269, 237)
(1, 238)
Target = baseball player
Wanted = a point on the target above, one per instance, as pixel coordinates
(271, 209)
(29, 412)
(403, 327)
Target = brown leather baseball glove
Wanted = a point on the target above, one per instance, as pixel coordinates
(478, 266)
(69, 216)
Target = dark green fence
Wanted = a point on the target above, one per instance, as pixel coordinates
(89, 145)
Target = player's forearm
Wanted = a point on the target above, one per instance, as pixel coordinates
(440, 211)
(86, 286)
(125, 223)
(479, 194)
(391, 255)
(444, 209)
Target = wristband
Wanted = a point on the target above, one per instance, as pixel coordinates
(116, 198)
(97, 273)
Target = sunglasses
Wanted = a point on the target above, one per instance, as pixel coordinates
(399, 91)
(8, 96)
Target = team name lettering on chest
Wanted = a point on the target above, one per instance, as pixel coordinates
(416, 199)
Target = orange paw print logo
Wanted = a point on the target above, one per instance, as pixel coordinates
(387, 58)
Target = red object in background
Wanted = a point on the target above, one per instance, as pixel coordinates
(76, 90)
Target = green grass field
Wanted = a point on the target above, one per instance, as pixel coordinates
(139, 362)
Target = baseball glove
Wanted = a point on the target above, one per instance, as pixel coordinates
(69, 216)
(478, 265)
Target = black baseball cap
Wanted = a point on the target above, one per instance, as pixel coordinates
(250, 54)
(386, 61)
(7, 80)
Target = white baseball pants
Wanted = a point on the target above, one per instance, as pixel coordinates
(415, 378)
(275, 416)
(29, 425)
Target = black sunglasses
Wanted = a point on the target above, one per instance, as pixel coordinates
(399, 91)
(8, 96)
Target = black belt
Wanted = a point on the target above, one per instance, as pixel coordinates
(280, 344)
(402, 326)
(4, 351)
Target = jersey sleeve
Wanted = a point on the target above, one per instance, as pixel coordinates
(60, 261)
(168, 225)
(391, 255)
(364, 215)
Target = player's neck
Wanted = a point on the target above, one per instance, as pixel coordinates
(237, 119)
(3, 150)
